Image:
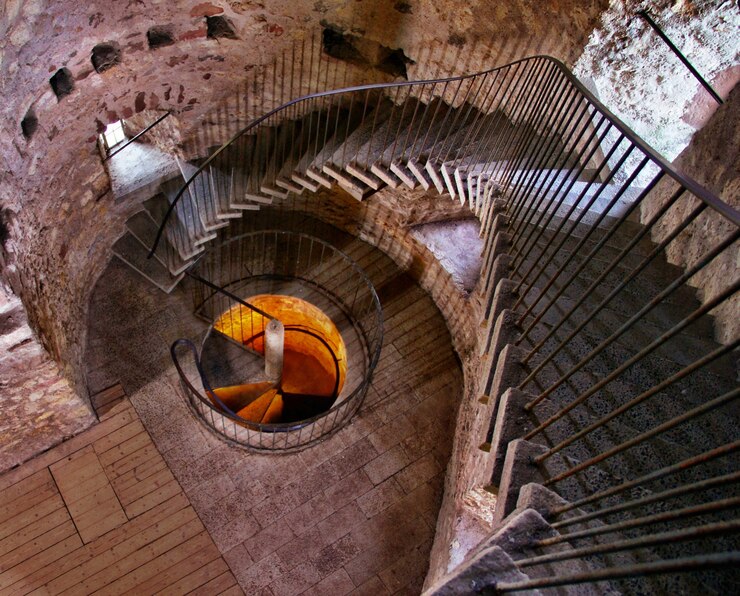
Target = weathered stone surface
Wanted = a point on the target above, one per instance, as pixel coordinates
(638, 77)
(480, 575)
(711, 159)
(38, 408)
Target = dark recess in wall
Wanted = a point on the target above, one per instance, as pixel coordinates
(4, 231)
(29, 124)
(62, 83)
(218, 26)
(159, 37)
(340, 46)
(364, 52)
(105, 56)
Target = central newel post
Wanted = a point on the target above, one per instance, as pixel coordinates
(274, 346)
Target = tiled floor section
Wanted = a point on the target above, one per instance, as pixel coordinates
(102, 513)
(353, 515)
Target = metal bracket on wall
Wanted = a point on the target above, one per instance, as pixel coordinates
(645, 15)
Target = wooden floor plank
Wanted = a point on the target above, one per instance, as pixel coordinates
(98, 521)
(89, 496)
(171, 566)
(153, 499)
(29, 549)
(34, 530)
(138, 474)
(111, 409)
(145, 486)
(115, 544)
(103, 512)
(104, 397)
(197, 578)
(223, 582)
(67, 448)
(40, 560)
(123, 449)
(132, 461)
(30, 516)
(118, 437)
(25, 486)
(23, 503)
(233, 591)
(117, 569)
(70, 475)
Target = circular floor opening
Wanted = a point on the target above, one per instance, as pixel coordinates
(332, 325)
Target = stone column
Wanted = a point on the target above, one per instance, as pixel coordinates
(274, 344)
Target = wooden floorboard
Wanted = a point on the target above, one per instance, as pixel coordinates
(223, 582)
(103, 513)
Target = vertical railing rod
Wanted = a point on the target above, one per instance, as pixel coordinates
(539, 266)
(614, 262)
(546, 215)
(695, 315)
(650, 540)
(683, 373)
(553, 86)
(593, 226)
(536, 168)
(685, 489)
(641, 438)
(646, 308)
(518, 98)
(529, 97)
(641, 481)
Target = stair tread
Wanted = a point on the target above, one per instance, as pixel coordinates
(143, 228)
(130, 250)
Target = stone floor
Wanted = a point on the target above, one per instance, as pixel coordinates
(138, 169)
(355, 514)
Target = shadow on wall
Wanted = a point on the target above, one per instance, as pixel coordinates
(340, 54)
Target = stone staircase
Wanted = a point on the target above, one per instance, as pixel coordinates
(599, 366)
(360, 149)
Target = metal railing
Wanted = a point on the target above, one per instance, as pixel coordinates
(137, 136)
(282, 263)
(622, 279)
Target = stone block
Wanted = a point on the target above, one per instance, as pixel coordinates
(511, 423)
(480, 575)
(519, 469)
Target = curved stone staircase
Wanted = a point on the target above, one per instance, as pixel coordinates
(607, 413)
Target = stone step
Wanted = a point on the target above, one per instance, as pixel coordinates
(202, 197)
(188, 244)
(132, 252)
(143, 228)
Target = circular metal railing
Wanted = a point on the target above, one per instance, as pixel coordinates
(274, 261)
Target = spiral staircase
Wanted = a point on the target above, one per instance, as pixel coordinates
(607, 418)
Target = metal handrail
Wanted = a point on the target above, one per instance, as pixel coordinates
(694, 187)
(139, 134)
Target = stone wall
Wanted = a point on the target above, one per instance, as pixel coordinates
(38, 407)
(637, 76)
(710, 159)
(209, 62)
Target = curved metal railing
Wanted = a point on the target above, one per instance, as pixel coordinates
(609, 287)
(517, 84)
(287, 263)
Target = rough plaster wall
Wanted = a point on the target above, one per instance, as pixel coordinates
(636, 75)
